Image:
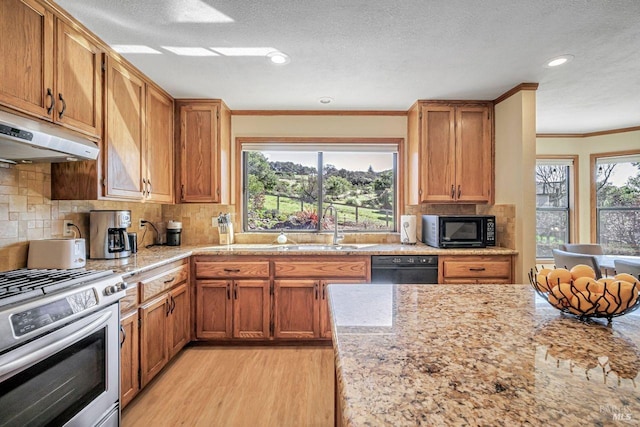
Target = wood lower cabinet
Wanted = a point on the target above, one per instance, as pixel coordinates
(300, 302)
(474, 269)
(129, 354)
(179, 319)
(154, 345)
(296, 308)
(238, 308)
(203, 146)
(450, 152)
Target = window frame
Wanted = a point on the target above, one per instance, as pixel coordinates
(240, 173)
(573, 189)
(593, 159)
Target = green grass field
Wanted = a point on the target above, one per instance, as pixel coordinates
(346, 214)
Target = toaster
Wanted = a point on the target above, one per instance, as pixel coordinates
(57, 253)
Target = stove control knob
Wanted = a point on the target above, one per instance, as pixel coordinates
(110, 290)
(121, 286)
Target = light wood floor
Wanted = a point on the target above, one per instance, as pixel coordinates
(239, 386)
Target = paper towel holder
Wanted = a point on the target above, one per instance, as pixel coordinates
(408, 229)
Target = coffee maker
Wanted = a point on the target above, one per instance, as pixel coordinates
(108, 237)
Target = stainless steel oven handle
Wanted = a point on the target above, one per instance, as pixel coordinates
(36, 356)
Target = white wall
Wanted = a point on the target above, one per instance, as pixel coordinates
(583, 148)
(515, 151)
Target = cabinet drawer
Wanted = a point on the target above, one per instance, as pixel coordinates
(130, 300)
(322, 269)
(476, 267)
(164, 281)
(225, 270)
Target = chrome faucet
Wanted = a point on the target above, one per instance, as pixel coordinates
(336, 237)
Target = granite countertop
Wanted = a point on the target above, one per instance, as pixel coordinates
(479, 355)
(148, 258)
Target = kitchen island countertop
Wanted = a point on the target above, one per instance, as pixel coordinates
(479, 355)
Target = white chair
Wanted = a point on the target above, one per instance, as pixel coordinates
(569, 259)
(583, 248)
(625, 266)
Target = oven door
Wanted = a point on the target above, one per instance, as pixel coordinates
(68, 377)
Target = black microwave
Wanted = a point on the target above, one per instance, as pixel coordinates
(459, 231)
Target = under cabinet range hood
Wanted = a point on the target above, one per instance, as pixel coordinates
(24, 140)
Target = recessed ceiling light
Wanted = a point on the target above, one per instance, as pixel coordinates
(190, 51)
(558, 60)
(134, 48)
(244, 51)
(278, 57)
(325, 100)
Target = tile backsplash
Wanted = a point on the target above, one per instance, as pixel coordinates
(28, 213)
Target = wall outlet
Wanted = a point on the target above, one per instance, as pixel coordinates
(214, 221)
(140, 224)
(67, 231)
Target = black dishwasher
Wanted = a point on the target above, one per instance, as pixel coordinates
(404, 269)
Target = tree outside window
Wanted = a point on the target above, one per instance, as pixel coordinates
(552, 206)
(618, 204)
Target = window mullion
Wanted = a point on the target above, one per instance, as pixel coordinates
(320, 190)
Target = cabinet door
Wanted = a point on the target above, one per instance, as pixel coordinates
(129, 385)
(124, 132)
(179, 330)
(26, 49)
(296, 308)
(251, 313)
(199, 159)
(437, 155)
(473, 154)
(325, 315)
(159, 147)
(78, 94)
(154, 349)
(213, 309)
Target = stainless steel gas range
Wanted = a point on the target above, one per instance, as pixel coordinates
(59, 347)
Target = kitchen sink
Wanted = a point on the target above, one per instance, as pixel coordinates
(318, 247)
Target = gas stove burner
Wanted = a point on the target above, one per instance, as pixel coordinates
(24, 284)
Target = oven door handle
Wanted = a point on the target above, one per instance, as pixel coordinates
(22, 362)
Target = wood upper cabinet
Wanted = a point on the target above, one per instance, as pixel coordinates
(49, 69)
(129, 384)
(203, 135)
(78, 84)
(450, 152)
(296, 308)
(158, 152)
(124, 131)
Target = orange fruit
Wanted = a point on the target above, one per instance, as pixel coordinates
(623, 294)
(545, 271)
(582, 270)
(627, 278)
(563, 293)
(584, 302)
(541, 281)
(581, 283)
(559, 275)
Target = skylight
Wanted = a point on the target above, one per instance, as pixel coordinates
(197, 11)
(244, 51)
(135, 48)
(190, 51)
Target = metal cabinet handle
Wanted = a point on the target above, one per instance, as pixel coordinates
(324, 287)
(168, 302)
(64, 106)
(173, 304)
(315, 288)
(453, 191)
(182, 192)
(232, 270)
(235, 291)
(477, 269)
(144, 187)
(149, 189)
(459, 191)
(170, 280)
(124, 336)
(228, 291)
(50, 95)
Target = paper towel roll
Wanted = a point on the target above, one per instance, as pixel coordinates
(408, 229)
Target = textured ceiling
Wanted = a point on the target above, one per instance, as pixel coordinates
(384, 55)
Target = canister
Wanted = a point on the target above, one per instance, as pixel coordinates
(174, 230)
